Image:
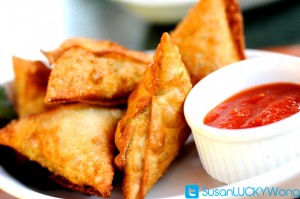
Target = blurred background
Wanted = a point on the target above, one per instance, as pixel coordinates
(30, 24)
(27, 26)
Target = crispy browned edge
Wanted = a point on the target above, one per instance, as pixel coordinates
(82, 189)
(90, 100)
(104, 47)
(235, 21)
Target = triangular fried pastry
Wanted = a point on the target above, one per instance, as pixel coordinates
(73, 141)
(30, 86)
(210, 37)
(94, 72)
(153, 129)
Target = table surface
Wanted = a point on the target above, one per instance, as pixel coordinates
(36, 24)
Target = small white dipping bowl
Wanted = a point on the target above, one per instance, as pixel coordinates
(231, 155)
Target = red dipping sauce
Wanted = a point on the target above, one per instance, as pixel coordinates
(256, 106)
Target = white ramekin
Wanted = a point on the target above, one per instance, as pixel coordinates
(233, 155)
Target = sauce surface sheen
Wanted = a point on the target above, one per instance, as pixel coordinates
(257, 106)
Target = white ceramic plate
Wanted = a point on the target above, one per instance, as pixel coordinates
(185, 170)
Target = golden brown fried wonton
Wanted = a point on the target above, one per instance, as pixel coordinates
(31, 79)
(96, 72)
(75, 142)
(210, 37)
(153, 129)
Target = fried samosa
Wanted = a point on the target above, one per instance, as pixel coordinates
(95, 72)
(30, 86)
(210, 37)
(153, 129)
(75, 142)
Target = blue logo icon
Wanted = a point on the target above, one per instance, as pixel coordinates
(191, 191)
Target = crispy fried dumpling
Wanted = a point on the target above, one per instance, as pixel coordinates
(95, 72)
(30, 86)
(210, 37)
(153, 129)
(74, 142)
